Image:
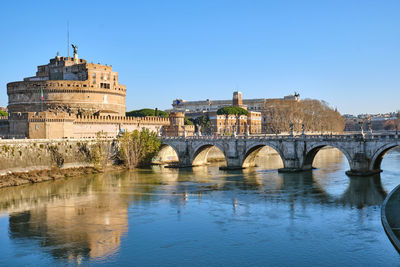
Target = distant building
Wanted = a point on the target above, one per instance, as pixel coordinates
(194, 109)
(256, 104)
(227, 124)
(177, 126)
(377, 122)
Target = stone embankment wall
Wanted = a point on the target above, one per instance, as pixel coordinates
(38, 154)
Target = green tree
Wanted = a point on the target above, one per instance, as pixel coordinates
(138, 148)
(204, 122)
(232, 110)
(188, 121)
(146, 112)
(3, 113)
(100, 151)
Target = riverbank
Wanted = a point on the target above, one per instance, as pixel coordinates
(37, 176)
(43, 175)
(390, 216)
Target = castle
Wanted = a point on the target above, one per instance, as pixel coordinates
(71, 98)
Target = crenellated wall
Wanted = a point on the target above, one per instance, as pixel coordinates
(47, 125)
(89, 126)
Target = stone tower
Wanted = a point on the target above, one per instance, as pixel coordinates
(237, 99)
(177, 118)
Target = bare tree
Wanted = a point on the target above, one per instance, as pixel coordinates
(317, 116)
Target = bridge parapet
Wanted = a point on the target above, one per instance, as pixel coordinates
(285, 137)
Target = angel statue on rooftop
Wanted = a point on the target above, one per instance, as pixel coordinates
(75, 47)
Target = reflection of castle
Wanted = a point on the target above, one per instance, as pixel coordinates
(78, 225)
(76, 228)
(70, 97)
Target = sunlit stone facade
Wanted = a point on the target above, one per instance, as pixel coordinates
(71, 98)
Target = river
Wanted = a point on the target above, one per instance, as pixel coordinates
(203, 217)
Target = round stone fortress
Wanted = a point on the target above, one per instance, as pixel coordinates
(71, 85)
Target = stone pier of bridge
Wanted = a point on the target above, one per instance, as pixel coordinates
(363, 152)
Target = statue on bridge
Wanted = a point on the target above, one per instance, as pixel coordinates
(198, 126)
(234, 130)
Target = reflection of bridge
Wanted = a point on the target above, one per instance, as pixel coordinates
(363, 152)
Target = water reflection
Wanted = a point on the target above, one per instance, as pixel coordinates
(363, 192)
(73, 219)
(86, 218)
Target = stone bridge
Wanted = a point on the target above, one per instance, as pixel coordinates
(364, 152)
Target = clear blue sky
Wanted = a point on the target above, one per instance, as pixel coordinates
(343, 52)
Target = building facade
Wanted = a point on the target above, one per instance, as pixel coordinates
(224, 124)
(262, 105)
(256, 104)
(228, 124)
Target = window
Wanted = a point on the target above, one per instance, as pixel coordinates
(105, 85)
(94, 75)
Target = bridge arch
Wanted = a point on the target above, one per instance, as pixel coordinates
(313, 150)
(377, 157)
(167, 154)
(201, 152)
(249, 159)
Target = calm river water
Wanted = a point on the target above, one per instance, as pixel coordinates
(203, 217)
